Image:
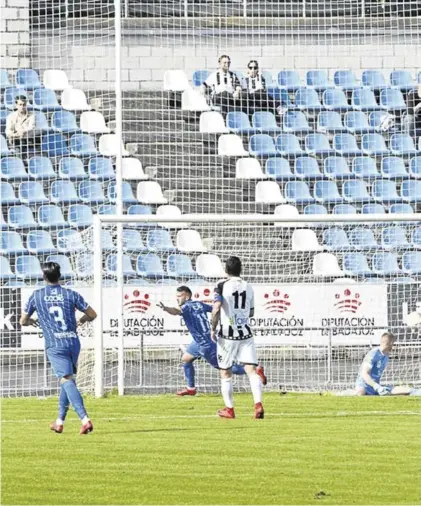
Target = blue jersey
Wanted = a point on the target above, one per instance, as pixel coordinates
(56, 308)
(196, 318)
(377, 362)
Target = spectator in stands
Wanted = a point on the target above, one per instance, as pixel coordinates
(411, 122)
(19, 124)
(223, 86)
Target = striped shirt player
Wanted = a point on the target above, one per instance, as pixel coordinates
(56, 307)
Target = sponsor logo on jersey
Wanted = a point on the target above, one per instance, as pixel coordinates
(135, 302)
(54, 298)
(238, 320)
(347, 301)
(277, 302)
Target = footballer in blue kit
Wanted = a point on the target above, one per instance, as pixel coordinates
(195, 314)
(56, 309)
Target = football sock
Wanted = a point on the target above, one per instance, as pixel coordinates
(238, 369)
(256, 387)
(226, 390)
(63, 405)
(189, 373)
(75, 398)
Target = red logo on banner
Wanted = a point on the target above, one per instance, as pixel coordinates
(204, 295)
(347, 301)
(277, 303)
(135, 302)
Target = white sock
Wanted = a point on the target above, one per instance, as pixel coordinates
(256, 387)
(85, 420)
(226, 390)
(59, 421)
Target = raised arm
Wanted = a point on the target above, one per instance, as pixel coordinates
(175, 311)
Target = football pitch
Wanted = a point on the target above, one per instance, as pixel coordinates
(309, 449)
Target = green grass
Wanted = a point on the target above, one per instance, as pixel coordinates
(167, 450)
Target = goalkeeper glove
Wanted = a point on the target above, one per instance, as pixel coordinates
(382, 390)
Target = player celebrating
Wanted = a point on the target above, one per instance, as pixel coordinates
(233, 306)
(56, 308)
(202, 346)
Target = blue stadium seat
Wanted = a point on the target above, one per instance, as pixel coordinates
(200, 76)
(141, 209)
(335, 239)
(107, 243)
(3, 120)
(288, 145)
(4, 79)
(63, 192)
(363, 99)
(265, 121)
(335, 100)
(295, 122)
(364, 167)
(355, 190)
(5, 270)
(373, 209)
(101, 168)
(356, 264)
(278, 168)
(401, 209)
(289, 80)
(128, 197)
(411, 190)
(280, 96)
(393, 237)
(262, 145)
(180, 266)
(298, 192)
(362, 238)
(40, 167)
(357, 122)
(91, 192)
(318, 144)
(318, 79)
(269, 80)
(402, 145)
(330, 121)
(411, 262)
(392, 100)
(315, 209)
(402, 80)
(54, 145)
(385, 263)
(69, 241)
(41, 123)
(7, 194)
(345, 79)
(374, 145)
(393, 167)
(21, 217)
(28, 267)
(11, 244)
(385, 191)
(141, 282)
(376, 119)
(39, 242)
(419, 77)
(149, 266)
(4, 150)
(12, 169)
(344, 209)
(336, 167)
(45, 100)
(66, 270)
(159, 239)
(109, 209)
(64, 122)
(132, 241)
(327, 192)
(415, 167)
(79, 216)
(32, 192)
(111, 266)
(345, 144)
(307, 99)
(51, 216)
(71, 168)
(9, 97)
(27, 79)
(373, 79)
(416, 238)
(306, 167)
(83, 145)
(84, 265)
(239, 123)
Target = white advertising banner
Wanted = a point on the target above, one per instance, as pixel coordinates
(301, 314)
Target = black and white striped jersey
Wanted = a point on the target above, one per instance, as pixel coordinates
(237, 299)
(221, 81)
(253, 84)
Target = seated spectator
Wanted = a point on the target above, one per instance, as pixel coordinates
(411, 121)
(19, 124)
(224, 87)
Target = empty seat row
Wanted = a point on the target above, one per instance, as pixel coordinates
(45, 99)
(28, 79)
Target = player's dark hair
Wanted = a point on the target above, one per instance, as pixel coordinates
(186, 289)
(233, 266)
(224, 56)
(51, 271)
(21, 98)
(389, 335)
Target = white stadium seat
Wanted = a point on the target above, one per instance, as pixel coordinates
(93, 122)
(74, 100)
(175, 80)
(212, 122)
(209, 266)
(189, 240)
(193, 100)
(173, 211)
(131, 168)
(249, 168)
(231, 145)
(305, 240)
(108, 145)
(289, 212)
(150, 192)
(268, 192)
(56, 80)
(326, 264)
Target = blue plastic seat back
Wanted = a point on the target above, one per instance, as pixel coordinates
(46, 99)
(132, 240)
(4, 79)
(317, 143)
(288, 144)
(411, 261)
(415, 166)
(335, 238)
(307, 98)
(373, 79)
(329, 120)
(63, 191)
(385, 190)
(385, 262)
(28, 266)
(326, 190)
(373, 209)
(70, 241)
(264, 119)
(315, 209)
(393, 236)
(32, 191)
(289, 79)
(91, 191)
(128, 197)
(80, 215)
(411, 189)
(297, 190)
(361, 237)
(54, 145)
(13, 168)
(41, 122)
(200, 76)
(262, 144)
(149, 265)
(159, 239)
(401, 209)
(11, 243)
(101, 168)
(278, 168)
(393, 166)
(401, 78)
(21, 216)
(179, 265)
(344, 209)
(7, 193)
(40, 167)
(416, 237)
(64, 121)
(364, 166)
(356, 263)
(317, 78)
(402, 143)
(82, 144)
(345, 79)
(355, 189)
(335, 99)
(27, 79)
(51, 216)
(295, 120)
(237, 120)
(373, 143)
(5, 269)
(356, 120)
(109, 209)
(376, 118)
(71, 168)
(111, 265)
(84, 265)
(364, 97)
(305, 166)
(40, 240)
(345, 142)
(392, 98)
(10, 95)
(336, 166)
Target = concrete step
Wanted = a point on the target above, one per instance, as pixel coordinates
(189, 184)
(186, 159)
(213, 173)
(167, 149)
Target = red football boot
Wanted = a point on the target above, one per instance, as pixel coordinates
(86, 428)
(56, 428)
(258, 410)
(187, 391)
(226, 413)
(261, 372)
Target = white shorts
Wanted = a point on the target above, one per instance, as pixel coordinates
(230, 352)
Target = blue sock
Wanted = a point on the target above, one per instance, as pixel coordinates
(63, 404)
(189, 373)
(238, 369)
(75, 398)
(415, 391)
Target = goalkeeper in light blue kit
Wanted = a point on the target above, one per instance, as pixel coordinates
(56, 307)
(202, 346)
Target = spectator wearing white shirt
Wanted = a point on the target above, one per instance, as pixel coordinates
(20, 124)
(223, 86)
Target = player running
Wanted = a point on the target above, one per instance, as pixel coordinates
(233, 306)
(56, 307)
(202, 346)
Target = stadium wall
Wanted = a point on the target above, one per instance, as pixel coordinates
(14, 34)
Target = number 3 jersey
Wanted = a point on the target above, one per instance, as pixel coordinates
(237, 299)
(56, 307)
